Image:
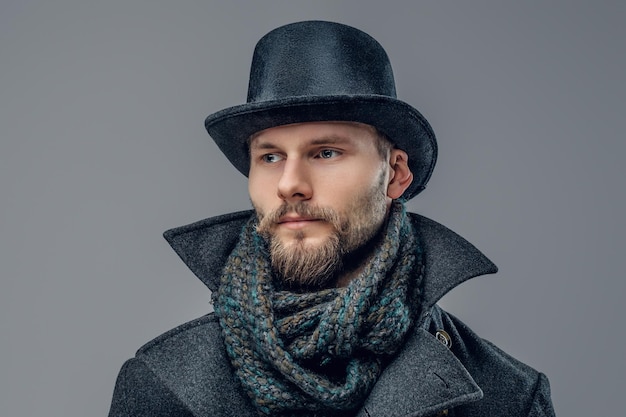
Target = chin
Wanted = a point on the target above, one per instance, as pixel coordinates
(303, 242)
(304, 238)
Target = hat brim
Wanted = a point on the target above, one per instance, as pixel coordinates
(400, 122)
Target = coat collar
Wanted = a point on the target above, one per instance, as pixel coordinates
(425, 377)
(449, 259)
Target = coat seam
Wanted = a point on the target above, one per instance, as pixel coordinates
(536, 389)
(164, 385)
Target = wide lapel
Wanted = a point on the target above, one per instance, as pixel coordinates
(423, 379)
(449, 260)
(204, 246)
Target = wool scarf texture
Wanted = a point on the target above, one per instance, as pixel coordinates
(321, 352)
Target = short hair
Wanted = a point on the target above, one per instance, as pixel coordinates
(383, 144)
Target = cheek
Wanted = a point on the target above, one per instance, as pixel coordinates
(359, 181)
(252, 187)
(258, 185)
(257, 197)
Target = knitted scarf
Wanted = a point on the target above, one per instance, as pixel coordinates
(317, 353)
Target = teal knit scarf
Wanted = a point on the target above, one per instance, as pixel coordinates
(319, 352)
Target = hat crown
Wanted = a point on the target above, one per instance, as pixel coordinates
(316, 58)
(324, 71)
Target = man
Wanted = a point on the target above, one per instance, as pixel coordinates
(325, 296)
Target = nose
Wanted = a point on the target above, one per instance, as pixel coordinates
(294, 184)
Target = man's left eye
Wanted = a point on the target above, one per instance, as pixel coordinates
(328, 153)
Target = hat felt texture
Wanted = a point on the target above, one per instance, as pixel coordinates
(324, 71)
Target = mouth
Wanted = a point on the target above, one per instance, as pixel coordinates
(297, 222)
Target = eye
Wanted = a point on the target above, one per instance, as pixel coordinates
(271, 158)
(328, 153)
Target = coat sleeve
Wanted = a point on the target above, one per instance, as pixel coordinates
(139, 393)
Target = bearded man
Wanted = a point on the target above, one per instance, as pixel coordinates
(325, 295)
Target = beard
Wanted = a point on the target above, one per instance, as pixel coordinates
(302, 264)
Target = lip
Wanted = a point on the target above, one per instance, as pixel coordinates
(296, 222)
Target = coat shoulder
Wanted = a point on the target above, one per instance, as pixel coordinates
(207, 325)
(140, 393)
(190, 363)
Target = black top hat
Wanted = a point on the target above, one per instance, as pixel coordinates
(324, 71)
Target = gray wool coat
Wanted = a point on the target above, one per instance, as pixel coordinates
(186, 373)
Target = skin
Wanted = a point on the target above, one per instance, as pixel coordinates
(335, 173)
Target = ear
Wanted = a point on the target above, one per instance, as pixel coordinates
(400, 175)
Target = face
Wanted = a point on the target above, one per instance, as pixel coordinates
(320, 192)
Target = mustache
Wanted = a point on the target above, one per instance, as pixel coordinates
(266, 221)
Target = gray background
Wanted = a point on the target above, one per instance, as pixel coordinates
(102, 147)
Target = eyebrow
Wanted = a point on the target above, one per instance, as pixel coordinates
(323, 140)
(330, 139)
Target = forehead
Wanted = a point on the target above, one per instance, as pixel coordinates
(316, 132)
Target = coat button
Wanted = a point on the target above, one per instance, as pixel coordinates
(444, 338)
(442, 413)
